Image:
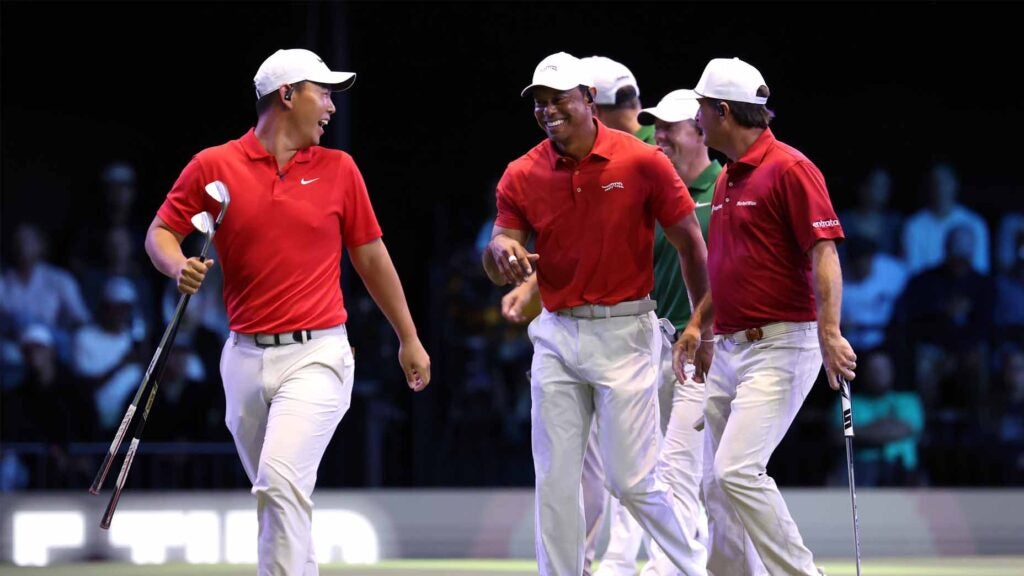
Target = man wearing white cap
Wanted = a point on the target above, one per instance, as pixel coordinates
(287, 366)
(617, 105)
(591, 196)
(618, 97)
(770, 216)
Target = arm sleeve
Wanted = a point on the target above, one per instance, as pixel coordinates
(810, 212)
(185, 199)
(510, 214)
(359, 222)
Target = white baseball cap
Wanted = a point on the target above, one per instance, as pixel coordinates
(676, 106)
(609, 76)
(731, 79)
(295, 65)
(560, 71)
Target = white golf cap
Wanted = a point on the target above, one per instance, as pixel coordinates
(295, 65)
(676, 106)
(560, 71)
(731, 79)
(609, 76)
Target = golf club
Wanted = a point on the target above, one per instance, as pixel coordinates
(844, 392)
(207, 225)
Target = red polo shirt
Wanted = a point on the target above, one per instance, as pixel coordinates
(281, 240)
(594, 219)
(770, 207)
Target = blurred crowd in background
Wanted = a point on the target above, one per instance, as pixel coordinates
(933, 304)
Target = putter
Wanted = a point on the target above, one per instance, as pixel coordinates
(844, 392)
(208, 226)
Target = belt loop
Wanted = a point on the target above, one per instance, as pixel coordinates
(277, 339)
(234, 338)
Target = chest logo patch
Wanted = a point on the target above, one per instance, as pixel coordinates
(310, 181)
(607, 187)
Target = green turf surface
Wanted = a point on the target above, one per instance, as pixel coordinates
(945, 566)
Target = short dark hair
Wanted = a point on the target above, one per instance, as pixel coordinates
(747, 114)
(263, 103)
(625, 97)
(585, 91)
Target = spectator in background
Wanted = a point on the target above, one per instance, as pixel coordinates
(1010, 295)
(872, 285)
(36, 291)
(1008, 251)
(872, 217)
(889, 425)
(107, 353)
(946, 314)
(188, 411)
(119, 190)
(1010, 421)
(120, 259)
(926, 230)
(49, 407)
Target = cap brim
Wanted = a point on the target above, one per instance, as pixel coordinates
(562, 88)
(338, 81)
(735, 98)
(648, 115)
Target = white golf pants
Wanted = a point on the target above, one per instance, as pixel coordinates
(283, 405)
(754, 391)
(680, 465)
(606, 370)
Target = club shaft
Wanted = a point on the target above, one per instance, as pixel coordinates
(140, 424)
(156, 366)
(847, 404)
(853, 501)
(167, 337)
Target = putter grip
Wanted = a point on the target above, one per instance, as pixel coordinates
(844, 393)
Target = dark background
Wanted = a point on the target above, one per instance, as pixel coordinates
(435, 114)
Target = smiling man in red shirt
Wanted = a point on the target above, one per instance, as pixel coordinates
(776, 288)
(591, 196)
(287, 366)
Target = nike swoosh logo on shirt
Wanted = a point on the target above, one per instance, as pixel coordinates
(701, 204)
(304, 181)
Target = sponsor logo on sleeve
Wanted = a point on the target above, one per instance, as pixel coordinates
(830, 223)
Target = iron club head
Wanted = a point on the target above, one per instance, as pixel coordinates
(219, 192)
(203, 222)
